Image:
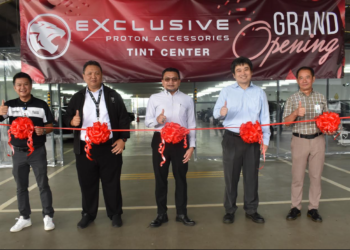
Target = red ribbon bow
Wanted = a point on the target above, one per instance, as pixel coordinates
(172, 133)
(97, 134)
(252, 133)
(22, 128)
(328, 122)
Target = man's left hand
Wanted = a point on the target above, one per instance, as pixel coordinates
(118, 147)
(264, 149)
(188, 155)
(39, 131)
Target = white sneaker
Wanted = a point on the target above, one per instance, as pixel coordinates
(20, 224)
(48, 223)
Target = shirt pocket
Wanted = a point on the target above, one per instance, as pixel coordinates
(183, 113)
(254, 106)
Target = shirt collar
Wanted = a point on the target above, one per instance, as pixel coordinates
(87, 89)
(235, 85)
(30, 100)
(301, 93)
(168, 93)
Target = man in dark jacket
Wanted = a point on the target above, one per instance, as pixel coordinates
(95, 103)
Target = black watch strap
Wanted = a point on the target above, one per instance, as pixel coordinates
(124, 139)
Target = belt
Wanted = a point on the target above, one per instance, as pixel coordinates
(228, 132)
(25, 149)
(307, 136)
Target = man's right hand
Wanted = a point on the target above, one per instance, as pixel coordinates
(76, 120)
(3, 108)
(161, 118)
(224, 110)
(300, 111)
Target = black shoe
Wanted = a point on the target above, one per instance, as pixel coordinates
(85, 221)
(185, 220)
(314, 215)
(229, 218)
(117, 220)
(161, 218)
(293, 214)
(257, 218)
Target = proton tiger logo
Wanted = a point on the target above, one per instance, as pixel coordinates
(48, 36)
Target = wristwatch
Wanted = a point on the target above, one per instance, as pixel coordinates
(124, 139)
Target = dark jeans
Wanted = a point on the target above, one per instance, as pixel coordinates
(238, 154)
(107, 167)
(174, 154)
(21, 167)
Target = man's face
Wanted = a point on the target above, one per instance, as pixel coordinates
(305, 80)
(93, 77)
(171, 81)
(23, 87)
(243, 74)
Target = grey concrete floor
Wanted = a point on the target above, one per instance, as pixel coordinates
(205, 198)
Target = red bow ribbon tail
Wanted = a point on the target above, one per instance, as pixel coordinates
(161, 150)
(87, 148)
(30, 143)
(9, 135)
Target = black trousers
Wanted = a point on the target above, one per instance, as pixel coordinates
(174, 154)
(21, 168)
(238, 154)
(105, 166)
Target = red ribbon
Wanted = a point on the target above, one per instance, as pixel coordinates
(172, 133)
(97, 134)
(252, 133)
(328, 122)
(22, 128)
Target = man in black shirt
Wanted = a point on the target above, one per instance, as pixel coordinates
(38, 111)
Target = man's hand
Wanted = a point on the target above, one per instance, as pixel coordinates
(188, 155)
(118, 147)
(264, 149)
(161, 118)
(300, 111)
(3, 108)
(224, 110)
(76, 120)
(39, 131)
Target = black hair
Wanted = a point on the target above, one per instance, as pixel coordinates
(171, 70)
(88, 63)
(306, 68)
(241, 61)
(22, 75)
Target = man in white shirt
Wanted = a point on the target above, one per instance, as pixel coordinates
(171, 105)
(95, 103)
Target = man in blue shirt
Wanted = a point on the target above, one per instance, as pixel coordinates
(239, 103)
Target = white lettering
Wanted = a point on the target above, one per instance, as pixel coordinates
(281, 23)
(222, 24)
(329, 31)
(119, 28)
(82, 25)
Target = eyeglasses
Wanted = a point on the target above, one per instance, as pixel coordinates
(174, 79)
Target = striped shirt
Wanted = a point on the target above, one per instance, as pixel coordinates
(309, 103)
(37, 110)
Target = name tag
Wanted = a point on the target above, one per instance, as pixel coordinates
(317, 109)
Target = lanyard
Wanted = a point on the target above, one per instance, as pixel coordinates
(97, 103)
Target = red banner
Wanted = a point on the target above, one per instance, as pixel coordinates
(135, 40)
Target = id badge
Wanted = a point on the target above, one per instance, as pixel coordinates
(317, 109)
(25, 113)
